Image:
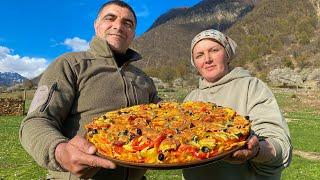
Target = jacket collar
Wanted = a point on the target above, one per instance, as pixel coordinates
(235, 73)
(100, 47)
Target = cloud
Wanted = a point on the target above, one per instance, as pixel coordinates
(28, 67)
(76, 44)
(143, 12)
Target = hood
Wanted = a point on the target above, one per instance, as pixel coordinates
(236, 73)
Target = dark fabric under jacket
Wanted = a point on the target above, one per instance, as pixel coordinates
(75, 88)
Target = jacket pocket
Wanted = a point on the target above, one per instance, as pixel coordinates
(51, 91)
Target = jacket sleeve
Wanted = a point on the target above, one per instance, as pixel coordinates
(154, 98)
(41, 129)
(269, 124)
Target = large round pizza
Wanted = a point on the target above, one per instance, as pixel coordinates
(168, 133)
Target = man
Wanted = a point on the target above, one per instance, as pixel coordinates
(79, 86)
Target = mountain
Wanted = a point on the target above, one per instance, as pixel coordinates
(269, 34)
(278, 34)
(10, 78)
(166, 44)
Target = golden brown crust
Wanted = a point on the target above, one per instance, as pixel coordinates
(168, 132)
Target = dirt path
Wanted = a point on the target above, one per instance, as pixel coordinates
(307, 155)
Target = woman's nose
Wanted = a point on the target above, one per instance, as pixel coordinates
(208, 59)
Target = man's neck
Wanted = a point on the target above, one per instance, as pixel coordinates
(120, 58)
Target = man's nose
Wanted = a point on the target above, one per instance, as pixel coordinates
(117, 25)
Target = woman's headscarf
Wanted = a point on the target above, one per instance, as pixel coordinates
(228, 44)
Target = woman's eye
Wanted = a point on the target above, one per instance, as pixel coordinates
(214, 50)
(199, 56)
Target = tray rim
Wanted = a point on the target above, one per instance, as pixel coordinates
(166, 166)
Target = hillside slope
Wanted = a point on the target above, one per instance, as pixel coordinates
(270, 34)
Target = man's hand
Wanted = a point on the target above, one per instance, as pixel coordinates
(243, 155)
(77, 156)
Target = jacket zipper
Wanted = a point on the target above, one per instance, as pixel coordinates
(52, 89)
(125, 85)
(136, 100)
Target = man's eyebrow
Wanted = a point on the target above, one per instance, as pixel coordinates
(113, 15)
(129, 20)
(109, 14)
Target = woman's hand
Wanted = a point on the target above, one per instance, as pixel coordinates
(243, 155)
(78, 157)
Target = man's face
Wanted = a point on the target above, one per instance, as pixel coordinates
(116, 25)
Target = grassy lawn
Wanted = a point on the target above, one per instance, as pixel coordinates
(304, 126)
(15, 163)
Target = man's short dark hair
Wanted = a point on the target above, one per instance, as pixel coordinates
(118, 3)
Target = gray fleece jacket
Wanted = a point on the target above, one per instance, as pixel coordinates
(74, 89)
(249, 96)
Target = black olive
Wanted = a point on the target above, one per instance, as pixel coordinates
(247, 117)
(205, 149)
(139, 131)
(192, 125)
(208, 131)
(239, 134)
(178, 130)
(104, 117)
(148, 121)
(190, 113)
(125, 132)
(161, 157)
(92, 132)
(195, 138)
(170, 136)
(132, 136)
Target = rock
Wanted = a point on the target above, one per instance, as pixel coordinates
(285, 77)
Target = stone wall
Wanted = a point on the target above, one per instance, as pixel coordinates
(11, 107)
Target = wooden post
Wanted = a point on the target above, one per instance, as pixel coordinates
(24, 101)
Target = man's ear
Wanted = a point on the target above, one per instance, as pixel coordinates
(95, 24)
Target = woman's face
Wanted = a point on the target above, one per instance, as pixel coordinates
(210, 59)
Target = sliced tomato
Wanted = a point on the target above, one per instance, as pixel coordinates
(201, 155)
(137, 145)
(213, 152)
(105, 140)
(142, 146)
(168, 132)
(187, 148)
(158, 140)
(118, 149)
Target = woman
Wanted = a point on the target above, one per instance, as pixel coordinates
(268, 151)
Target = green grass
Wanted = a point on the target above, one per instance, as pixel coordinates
(302, 169)
(164, 174)
(304, 130)
(15, 163)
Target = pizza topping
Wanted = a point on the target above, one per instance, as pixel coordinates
(161, 157)
(168, 132)
(205, 149)
(139, 131)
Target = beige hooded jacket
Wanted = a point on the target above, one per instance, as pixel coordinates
(249, 97)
